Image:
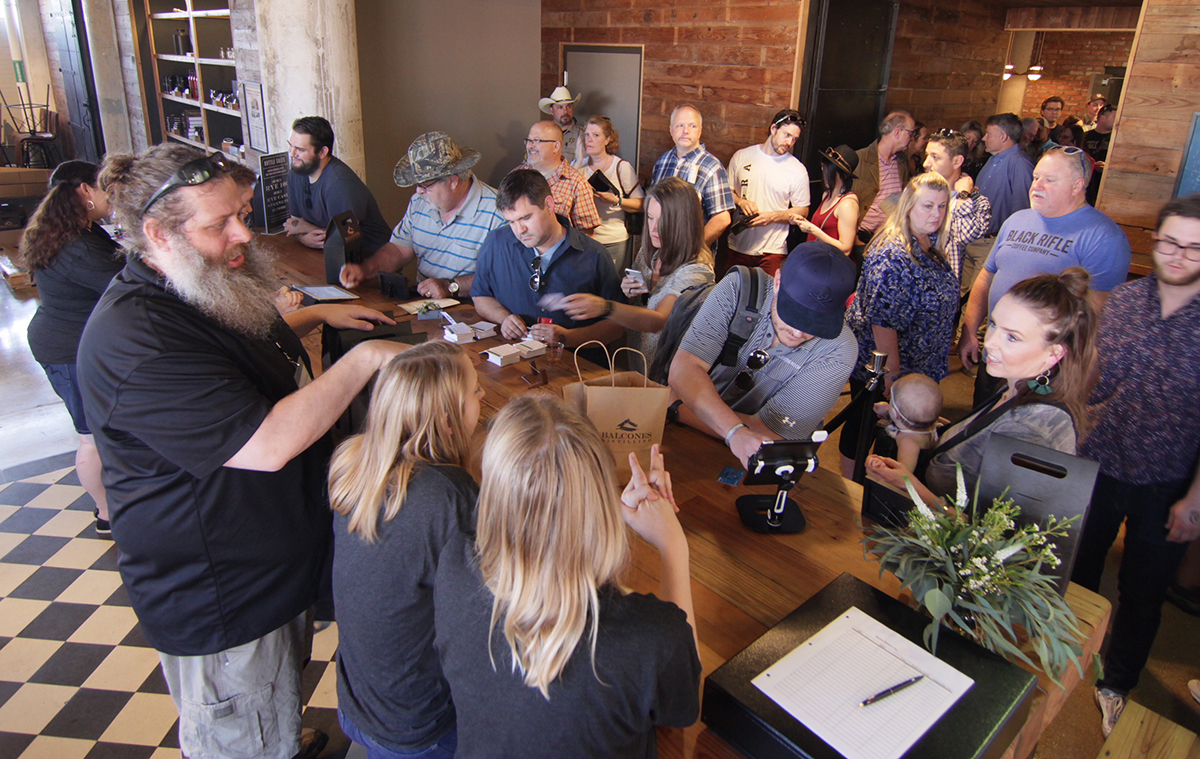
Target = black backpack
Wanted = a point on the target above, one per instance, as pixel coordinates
(687, 305)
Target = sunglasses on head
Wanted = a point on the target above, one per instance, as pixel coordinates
(946, 133)
(191, 174)
(1071, 150)
(790, 117)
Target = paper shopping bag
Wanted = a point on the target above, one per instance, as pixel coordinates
(627, 408)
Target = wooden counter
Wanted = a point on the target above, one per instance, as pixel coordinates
(743, 582)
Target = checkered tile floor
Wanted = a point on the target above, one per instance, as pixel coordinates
(77, 679)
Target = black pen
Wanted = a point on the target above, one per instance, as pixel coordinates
(894, 689)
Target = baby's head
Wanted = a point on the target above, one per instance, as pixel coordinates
(916, 403)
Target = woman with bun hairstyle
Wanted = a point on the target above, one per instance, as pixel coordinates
(546, 654)
(399, 491)
(73, 259)
(1041, 340)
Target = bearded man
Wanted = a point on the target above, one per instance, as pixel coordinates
(214, 442)
(320, 187)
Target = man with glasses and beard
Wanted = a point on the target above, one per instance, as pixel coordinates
(215, 446)
(320, 187)
(526, 269)
(791, 369)
(1146, 436)
(770, 186)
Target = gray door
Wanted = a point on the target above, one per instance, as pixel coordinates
(608, 81)
(66, 27)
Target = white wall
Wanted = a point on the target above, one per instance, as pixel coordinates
(470, 68)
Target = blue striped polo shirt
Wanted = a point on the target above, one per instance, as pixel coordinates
(449, 250)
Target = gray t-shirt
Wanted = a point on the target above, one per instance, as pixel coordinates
(1037, 423)
(797, 387)
(688, 275)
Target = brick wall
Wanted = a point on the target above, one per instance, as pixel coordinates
(734, 58)
(1070, 59)
(948, 60)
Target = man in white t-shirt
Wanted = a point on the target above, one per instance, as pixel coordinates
(770, 186)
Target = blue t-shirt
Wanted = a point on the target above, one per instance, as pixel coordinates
(918, 299)
(1030, 244)
(582, 265)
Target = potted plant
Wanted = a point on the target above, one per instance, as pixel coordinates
(977, 571)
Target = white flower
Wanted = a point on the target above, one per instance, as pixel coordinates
(1004, 554)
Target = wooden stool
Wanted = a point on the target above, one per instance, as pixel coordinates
(1142, 733)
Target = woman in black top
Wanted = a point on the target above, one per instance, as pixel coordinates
(546, 654)
(72, 259)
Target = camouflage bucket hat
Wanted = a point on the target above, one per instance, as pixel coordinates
(432, 156)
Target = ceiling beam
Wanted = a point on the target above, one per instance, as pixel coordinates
(1103, 19)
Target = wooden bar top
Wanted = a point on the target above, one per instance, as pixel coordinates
(743, 582)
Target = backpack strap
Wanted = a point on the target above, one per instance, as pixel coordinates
(750, 296)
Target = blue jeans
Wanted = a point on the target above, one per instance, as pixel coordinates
(443, 749)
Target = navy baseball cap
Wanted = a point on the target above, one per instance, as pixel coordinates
(814, 284)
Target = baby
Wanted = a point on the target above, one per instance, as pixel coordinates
(912, 416)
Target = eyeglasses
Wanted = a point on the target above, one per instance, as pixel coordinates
(424, 186)
(535, 279)
(191, 174)
(530, 142)
(790, 117)
(755, 361)
(1168, 247)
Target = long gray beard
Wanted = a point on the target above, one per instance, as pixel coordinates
(241, 299)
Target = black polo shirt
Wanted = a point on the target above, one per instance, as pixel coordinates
(212, 557)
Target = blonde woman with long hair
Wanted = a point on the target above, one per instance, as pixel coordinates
(546, 654)
(399, 491)
(906, 303)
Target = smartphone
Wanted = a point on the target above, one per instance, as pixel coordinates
(636, 274)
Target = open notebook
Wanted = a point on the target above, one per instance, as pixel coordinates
(823, 681)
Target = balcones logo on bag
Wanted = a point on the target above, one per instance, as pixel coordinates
(626, 433)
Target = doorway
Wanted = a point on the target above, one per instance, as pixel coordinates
(608, 81)
(65, 25)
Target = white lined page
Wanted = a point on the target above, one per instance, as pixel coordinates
(823, 680)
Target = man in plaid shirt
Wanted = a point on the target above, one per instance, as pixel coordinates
(573, 196)
(970, 210)
(691, 162)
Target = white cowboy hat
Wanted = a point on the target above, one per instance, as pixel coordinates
(560, 96)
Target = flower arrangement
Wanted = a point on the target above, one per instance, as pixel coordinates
(985, 575)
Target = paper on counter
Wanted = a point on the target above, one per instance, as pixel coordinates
(823, 680)
(414, 307)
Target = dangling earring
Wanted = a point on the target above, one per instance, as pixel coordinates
(1041, 383)
(91, 206)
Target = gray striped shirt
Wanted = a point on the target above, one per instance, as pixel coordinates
(794, 392)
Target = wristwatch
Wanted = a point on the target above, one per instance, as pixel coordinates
(453, 287)
(673, 411)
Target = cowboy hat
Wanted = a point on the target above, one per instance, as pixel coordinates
(560, 96)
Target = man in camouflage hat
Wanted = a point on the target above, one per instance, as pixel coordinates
(447, 219)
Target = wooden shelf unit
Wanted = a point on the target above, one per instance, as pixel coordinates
(209, 30)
